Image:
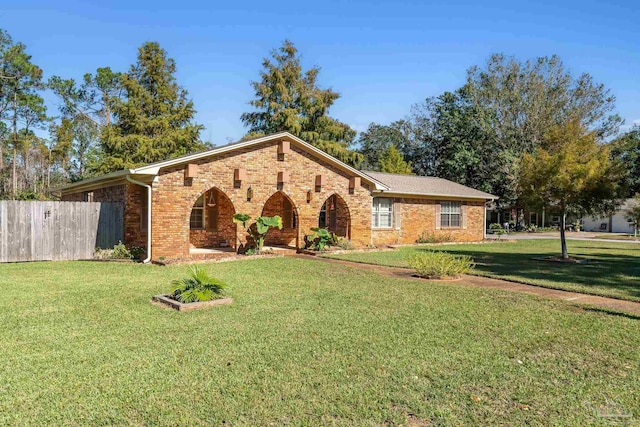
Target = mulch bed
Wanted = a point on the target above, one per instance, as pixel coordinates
(439, 278)
(213, 259)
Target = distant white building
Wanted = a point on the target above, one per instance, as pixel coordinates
(616, 223)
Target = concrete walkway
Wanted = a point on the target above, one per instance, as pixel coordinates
(613, 304)
(586, 236)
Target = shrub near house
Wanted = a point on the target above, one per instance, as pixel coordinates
(440, 265)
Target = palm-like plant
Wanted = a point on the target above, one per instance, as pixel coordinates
(199, 286)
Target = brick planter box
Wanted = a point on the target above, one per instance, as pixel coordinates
(166, 301)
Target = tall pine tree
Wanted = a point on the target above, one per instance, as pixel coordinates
(289, 99)
(153, 121)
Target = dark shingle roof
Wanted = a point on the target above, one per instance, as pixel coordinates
(426, 186)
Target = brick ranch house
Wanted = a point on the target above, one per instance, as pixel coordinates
(175, 207)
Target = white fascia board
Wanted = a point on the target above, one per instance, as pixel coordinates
(457, 196)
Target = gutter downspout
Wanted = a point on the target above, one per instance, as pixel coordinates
(148, 187)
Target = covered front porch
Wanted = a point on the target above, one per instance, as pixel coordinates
(212, 232)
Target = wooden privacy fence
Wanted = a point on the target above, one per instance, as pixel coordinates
(39, 231)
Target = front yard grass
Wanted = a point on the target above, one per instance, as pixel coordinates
(613, 269)
(305, 343)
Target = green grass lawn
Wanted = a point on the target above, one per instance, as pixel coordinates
(619, 237)
(305, 343)
(613, 268)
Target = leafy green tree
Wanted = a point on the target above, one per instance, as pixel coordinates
(153, 120)
(392, 161)
(21, 106)
(632, 214)
(476, 134)
(86, 110)
(62, 150)
(571, 172)
(455, 147)
(626, 148)
(289, 99)
(92, 98)
(375, 141)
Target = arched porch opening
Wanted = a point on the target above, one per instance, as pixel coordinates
(211, 223)
(334, 216)
(280, 204)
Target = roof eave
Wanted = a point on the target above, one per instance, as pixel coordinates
(96, 182)
(155, 168)
(409, 193)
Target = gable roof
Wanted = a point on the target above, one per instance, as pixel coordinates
(427, 186)
(154, 168)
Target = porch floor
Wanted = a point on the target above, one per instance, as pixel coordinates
(211, 251)
(281, 249)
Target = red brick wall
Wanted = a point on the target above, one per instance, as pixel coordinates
(225, 235)
(418, 215)
(73, 197)
(286, 236)
(174, 196)
(133, 233)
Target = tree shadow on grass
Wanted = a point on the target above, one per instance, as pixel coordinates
(614, 272)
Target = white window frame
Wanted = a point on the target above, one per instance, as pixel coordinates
(377, 214)
(450, 209)
(198, 206)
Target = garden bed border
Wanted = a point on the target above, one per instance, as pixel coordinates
(168, 302)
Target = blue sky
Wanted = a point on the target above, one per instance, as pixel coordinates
(382, 56)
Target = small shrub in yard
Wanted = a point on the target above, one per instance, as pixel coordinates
(431, 237)
(440, 264)
(345, 244)
(198, 287)
(320, 240)
(120, 251)
(498, 230)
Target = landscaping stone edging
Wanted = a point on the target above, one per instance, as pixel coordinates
(224, 258)
(165, 301)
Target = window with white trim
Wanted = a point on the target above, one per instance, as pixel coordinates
(450, 214)
(197, 214)
(382, 212)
